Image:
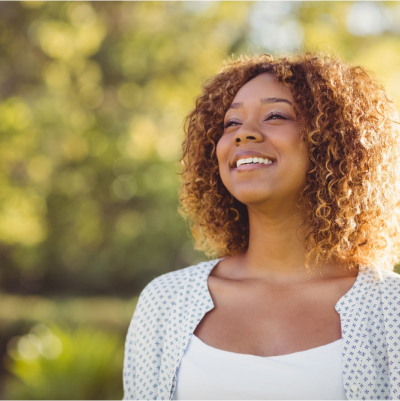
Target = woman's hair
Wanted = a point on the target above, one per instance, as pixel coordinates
(349, 127)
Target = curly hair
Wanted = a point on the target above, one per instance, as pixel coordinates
(350, 128)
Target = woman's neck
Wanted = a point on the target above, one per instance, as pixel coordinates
(276, 250)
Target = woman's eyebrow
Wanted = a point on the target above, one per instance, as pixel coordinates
(266, 100)
(275, 100)
(236, 106)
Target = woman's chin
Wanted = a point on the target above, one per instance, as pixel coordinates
(254, 198)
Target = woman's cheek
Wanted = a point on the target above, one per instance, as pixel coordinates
(222, 171)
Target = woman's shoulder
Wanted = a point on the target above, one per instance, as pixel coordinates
(167, 286)
(384, 278)
(390, 285)
(383, 286)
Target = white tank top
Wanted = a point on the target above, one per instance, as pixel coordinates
(208, 373)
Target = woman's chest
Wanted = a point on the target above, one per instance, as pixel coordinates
(269, 323)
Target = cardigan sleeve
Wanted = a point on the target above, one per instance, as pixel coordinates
(132, 344)
(148, 358)
(390, 298)
(138, 345)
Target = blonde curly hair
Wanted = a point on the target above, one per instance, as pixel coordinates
(350, 128)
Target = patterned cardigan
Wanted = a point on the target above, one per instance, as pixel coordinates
(172, 305)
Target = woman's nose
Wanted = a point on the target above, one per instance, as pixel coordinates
(247, 134)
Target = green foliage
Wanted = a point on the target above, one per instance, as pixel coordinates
(55, 363)
(101, 312)
(92, 99)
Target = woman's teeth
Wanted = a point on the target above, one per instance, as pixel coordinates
(253, 160)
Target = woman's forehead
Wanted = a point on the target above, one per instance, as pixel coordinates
(263, 86)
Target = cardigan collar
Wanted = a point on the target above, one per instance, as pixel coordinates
(346, 303)
(357, 292)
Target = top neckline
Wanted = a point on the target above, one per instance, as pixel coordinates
(320, 350)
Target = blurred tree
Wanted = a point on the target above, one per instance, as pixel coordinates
(92, 100)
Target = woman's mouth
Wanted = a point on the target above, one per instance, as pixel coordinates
(253, 163)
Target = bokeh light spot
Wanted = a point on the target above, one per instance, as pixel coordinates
(367, 18)
(57, 76)
(81, 14)
(130, 95)
(39, 168)
(129, 223)
(124, 187)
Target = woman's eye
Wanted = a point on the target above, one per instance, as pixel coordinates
(229, 123)
(276, 115)
(272, 116)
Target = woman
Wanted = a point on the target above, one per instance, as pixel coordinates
(290, 173)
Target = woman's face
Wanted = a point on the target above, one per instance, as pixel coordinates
(260, 128)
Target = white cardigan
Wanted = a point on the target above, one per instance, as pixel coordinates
(172, 305)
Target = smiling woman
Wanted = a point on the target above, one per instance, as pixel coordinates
(290, 172)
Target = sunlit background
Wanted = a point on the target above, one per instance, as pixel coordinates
(92, 98)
